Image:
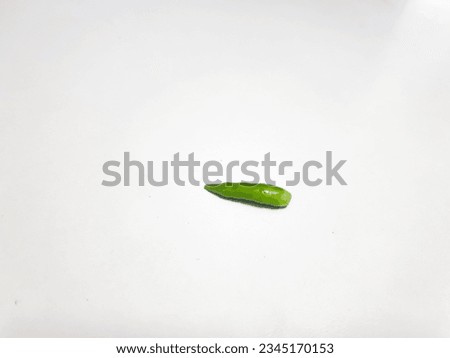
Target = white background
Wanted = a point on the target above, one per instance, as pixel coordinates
(83, 81)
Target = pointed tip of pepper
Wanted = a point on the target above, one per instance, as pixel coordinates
(211, 187)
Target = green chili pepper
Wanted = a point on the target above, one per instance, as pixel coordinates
(261, 194)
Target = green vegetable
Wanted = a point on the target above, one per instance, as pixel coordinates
(262, 194)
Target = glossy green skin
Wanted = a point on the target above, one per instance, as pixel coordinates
(262, 194)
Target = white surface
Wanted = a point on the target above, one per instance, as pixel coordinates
(82, 82)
